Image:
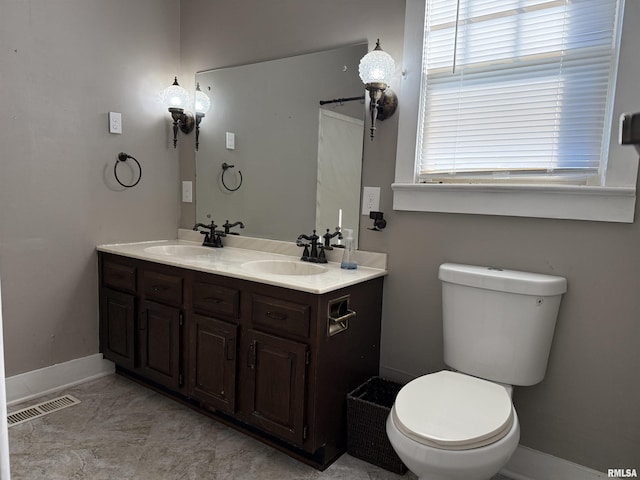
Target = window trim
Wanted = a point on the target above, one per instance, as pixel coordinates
(612, 202)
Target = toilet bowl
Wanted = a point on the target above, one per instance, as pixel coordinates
(497, 331)
(451, 426)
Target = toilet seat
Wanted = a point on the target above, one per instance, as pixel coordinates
(453, 411)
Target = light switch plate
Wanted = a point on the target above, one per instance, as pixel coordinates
(115, 122)
(230, 141)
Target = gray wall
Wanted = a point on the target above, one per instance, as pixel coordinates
(586, 408)
(63, 66)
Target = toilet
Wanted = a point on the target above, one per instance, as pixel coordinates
(460, 424)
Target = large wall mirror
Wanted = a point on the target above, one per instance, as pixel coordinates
(296, 163)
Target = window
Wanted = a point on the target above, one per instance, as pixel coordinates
(517, 87)
(516, 98)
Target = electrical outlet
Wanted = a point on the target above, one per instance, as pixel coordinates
(115, 122)
(370, 200)
(187, 192)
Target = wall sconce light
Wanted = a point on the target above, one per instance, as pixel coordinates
(176, 98)
(202, 106)
(376, 69)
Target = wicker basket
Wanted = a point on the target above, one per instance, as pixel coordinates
(368, 407)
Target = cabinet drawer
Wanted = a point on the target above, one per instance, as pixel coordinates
(162, 287)
(215, 300)
(280, 316)
(118, 276)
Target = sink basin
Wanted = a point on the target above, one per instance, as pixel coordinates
(283, 267)
(179, 250)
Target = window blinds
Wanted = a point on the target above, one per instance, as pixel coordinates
(517, 86)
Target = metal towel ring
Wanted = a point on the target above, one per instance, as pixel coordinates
(123, 157)
(225, 167)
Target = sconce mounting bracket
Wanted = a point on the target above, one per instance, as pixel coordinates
(187, 123)
(388, 105)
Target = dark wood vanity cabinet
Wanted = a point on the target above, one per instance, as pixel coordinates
(265, 359)
(142, 318)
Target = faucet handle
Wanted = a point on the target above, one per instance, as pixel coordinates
(207, 237)
(305, 253)
(322, 258)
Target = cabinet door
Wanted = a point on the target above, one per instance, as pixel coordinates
(277, 372)
(117, 327)
(160, 329)
(213, 362)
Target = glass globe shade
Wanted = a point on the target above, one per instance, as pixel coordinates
(175, 96)
(203, 103)
(377, 66)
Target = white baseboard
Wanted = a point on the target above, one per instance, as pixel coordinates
(529, 464)
(36, 383)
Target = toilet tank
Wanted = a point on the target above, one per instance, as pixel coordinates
(498, 324)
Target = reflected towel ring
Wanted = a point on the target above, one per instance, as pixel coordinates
(225, 167)
(123, 157)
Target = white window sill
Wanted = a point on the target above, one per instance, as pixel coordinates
(602, 204)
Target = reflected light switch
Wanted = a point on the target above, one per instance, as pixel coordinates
(187, 192)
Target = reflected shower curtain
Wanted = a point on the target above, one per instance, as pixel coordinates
(339, 171)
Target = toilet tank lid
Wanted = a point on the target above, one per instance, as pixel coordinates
(512, 281)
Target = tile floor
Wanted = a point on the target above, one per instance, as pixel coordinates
(123, 431)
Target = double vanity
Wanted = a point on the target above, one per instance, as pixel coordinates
(247, 334)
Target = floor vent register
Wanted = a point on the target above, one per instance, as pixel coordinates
(40, 410)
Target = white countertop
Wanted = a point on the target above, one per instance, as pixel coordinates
(228, 262)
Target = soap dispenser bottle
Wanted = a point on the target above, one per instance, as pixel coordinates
(349, 256)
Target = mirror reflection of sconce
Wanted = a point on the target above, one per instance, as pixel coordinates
(176, 98)
(202, 106)
(376, 69)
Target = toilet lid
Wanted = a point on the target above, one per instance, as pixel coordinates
(454, 411)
